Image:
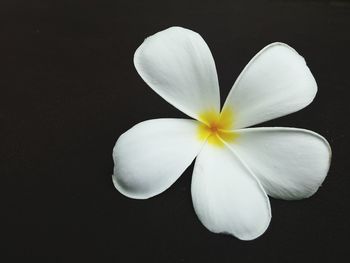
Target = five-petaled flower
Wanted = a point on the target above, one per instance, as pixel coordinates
(236, 167)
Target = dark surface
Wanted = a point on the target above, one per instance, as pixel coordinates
(69, 89)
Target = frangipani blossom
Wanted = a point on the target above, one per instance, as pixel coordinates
(236, 167)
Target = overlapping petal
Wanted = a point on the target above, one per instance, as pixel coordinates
(177, 64)
(290, 163)
(227, 197)
(276, 82)
(152, 155)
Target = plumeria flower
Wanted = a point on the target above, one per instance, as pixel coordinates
(236, 167)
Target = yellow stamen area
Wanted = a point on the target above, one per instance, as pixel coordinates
(215, 127)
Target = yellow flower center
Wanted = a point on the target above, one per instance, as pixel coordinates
(215, 127)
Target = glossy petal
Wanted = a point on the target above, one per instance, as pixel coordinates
(227, 197)
(290, 163)
(152, 155)
(276, 82)
(177, 64)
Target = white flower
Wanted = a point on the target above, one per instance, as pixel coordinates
(236, 167)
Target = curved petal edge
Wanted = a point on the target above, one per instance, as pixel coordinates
(152, 155)
(227, 197)
(178, 65)
(275, 82)
(290, 163)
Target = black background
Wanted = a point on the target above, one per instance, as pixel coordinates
(69, 89)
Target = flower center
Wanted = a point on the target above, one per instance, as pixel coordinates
(215, 127)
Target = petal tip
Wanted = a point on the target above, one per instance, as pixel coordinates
(125, 192)
(241, 236)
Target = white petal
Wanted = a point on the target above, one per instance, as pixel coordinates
(177, 64)
(227, 197)
(290, 163)
(276, 82)
(152, 155)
